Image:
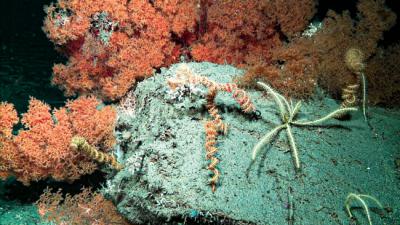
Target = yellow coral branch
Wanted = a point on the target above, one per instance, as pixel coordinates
(80, 144)
(355, 61)
(349, 99)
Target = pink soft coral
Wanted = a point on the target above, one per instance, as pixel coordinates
(42, 150)
(8, 118)
(112, 43)
(86, 207)
(246, 32)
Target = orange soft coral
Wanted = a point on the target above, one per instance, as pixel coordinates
(295, 68)
(8, 118)
(118, 44)
(292, 70)
(114, 43)
(292, 16)
(86, 207)
(246, 32)
(42, 150)
(383, 74)
(340, 33)
(234, 30)
(181, 14)
(96, 125)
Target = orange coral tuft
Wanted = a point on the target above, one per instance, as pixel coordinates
(114, 43)
(43, 149)
(86, 207)
(8, 118)
(373, 19)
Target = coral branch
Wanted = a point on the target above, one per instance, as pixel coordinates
(8, 118)
(42, 150)
(80, 144)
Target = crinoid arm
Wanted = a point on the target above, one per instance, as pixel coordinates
(295, 110)
(279, 99)
(293, 147)
(266, 140)
(360, 197)
(325, 118)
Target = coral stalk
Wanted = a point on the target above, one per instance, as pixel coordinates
(80, 144)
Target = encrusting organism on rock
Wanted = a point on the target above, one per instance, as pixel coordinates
(80, 144)
(288, 113)
(185, 76)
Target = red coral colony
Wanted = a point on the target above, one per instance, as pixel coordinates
(113, 43)
(42, 150)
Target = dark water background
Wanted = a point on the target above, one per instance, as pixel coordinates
(26, 55)
(26, 60)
